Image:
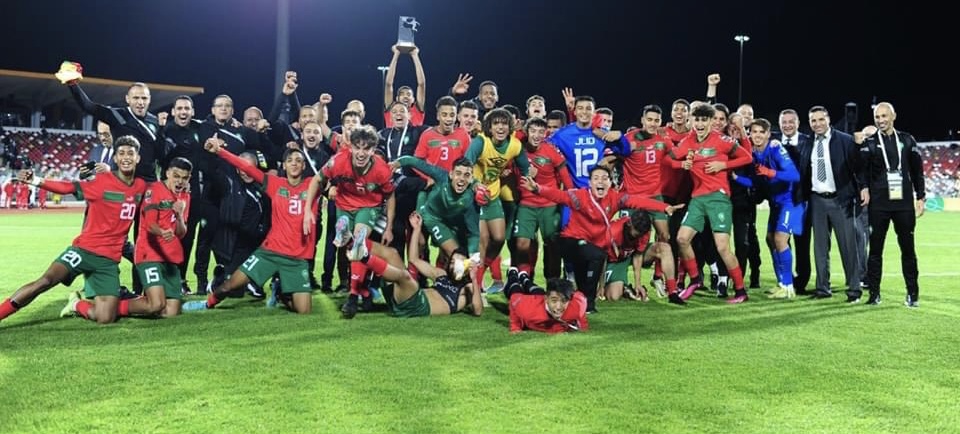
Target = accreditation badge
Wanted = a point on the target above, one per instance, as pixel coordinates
(895, 185)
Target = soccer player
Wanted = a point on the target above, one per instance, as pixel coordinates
(158, 249)
(557, 309)
(556, 119)
(707, 155)
(536, 213)
(631, 235)
(363, 183)
(447, 296)
(449, 209)
(585, 240)
(445, 143)
(467, 118)
(492, 151)
(776, 179)
(112, 201)
(578, 144)
(287, 246)
(643, 150)
(405, 93)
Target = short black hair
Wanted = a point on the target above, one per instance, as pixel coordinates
(463, 162)
(534, 122)
(557, 115)
(487, 83)
(290, 151)
(401, 88)
(603, 168)
(512, 109)
(446, 101)
(584, 98)
(184, 98)
(563, 287)
(720, 107)
(364, 134)
(604, 111)
(652, 108)
(818, 108)
(469, 105)
(534, 98)
(682, 102)
(180, 163)
(704, 111)
(765, 124)
(640, 220)
(130, 141)
(348, 113)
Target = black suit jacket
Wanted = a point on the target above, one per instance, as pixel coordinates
(95, 155)
(846, 164)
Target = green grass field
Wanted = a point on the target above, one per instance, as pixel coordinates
(765, 366)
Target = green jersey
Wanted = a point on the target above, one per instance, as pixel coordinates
(445, 205)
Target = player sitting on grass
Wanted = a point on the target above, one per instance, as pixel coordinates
(112, 201)
(158, 250)
(557, 309)
(408, 299)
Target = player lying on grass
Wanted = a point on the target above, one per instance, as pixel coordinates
(408, 299)
(158, 250)
(557, 309)
(112, 200)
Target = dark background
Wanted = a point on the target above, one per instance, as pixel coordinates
(625, 54)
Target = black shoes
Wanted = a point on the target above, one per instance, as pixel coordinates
(349, 309)
(818, 294)
(874, 298)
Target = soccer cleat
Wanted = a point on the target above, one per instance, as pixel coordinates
(513, 275)
(349, 309)
(460, 269)
(674, 298)
(660, 287)
(71, 308)
(124, 293)
(377, 296)
(782, 293)
(853, 299)
(194, 305)
(689, 290)
(714, 281)
(722, 290)
(874, 298)
(366, 304)
(739, 296)
(911, 302)
(274, 293)
(342, 231)
(495, 287)
(359, 249)
(255, 291)
(219, 276)
(184, 288)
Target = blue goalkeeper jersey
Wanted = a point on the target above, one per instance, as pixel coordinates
(778, 189)
(581, 149)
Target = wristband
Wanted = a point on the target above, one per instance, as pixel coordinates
(35, 181)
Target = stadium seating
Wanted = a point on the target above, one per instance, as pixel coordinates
(63, 151)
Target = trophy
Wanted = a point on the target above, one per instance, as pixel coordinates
(408, 26)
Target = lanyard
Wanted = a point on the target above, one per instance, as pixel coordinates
(616, 250)
(403, 137)
(883, 149)
(149, 131)
(306, 153)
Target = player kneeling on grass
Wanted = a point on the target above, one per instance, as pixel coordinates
(557, 309)
(286, 248)
(112, 199)
(158, 250)
(447, 296)
(631, 235)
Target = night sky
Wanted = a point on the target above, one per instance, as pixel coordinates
(624, 54)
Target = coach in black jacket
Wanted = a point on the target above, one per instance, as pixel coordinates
(832, 181)
(895, 176)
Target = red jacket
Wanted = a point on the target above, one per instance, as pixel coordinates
(529, 312)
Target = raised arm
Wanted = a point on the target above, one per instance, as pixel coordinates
(59, 187)
(434, 172)
(421, 79)
(562, 197)
(99, 112)
(215, 146)
(388, 79)
(741, 157)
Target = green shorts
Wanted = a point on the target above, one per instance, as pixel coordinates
(492, 210)
(715, 207)
(616, 271)
(415, 306)
(366, 216)
(101, 275)
(439, 231)
(162, 274)
(530, 219)
(262, 264)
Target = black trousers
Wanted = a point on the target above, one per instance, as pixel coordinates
(587, 260)
(904, 223)
(746, 245)
(801, 253)
(200, 211)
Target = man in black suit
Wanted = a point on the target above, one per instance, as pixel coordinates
(895, 175)
(833, 183)
(101, 154)
(793, 140)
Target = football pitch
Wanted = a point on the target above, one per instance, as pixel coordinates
(764, 366)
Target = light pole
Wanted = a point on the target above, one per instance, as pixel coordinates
(741, 39)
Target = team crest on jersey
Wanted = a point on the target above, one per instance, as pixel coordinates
(283, 192)
(659, 146)
(497, 161)
(541, 160)
(148, 195)
(453, 143)
(372, 186)
(434, 143)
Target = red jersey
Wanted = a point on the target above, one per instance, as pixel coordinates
(442, 150)
(642, 167)
(529, 312)
(625, 251)
(676, 137)
(590, 218)
(111, 208)
(157, 208)
(286, 210)
(551, 170)
(358, 190)
(715, 147)
(416, 116)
